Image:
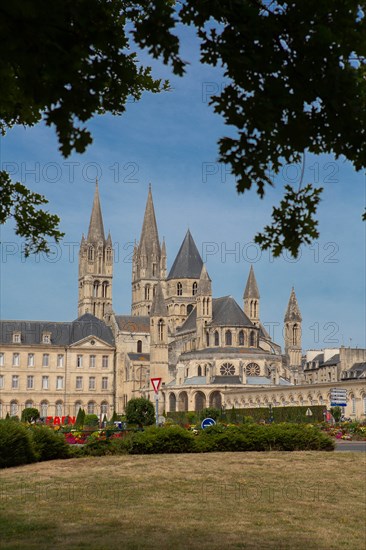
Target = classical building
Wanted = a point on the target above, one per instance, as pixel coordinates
(208, 351)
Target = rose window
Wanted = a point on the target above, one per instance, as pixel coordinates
(252, 369)
(227, 369)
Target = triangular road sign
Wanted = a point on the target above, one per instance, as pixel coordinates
(155, 384)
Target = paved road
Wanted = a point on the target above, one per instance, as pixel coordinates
(358, 446)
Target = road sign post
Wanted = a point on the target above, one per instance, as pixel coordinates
(156, 385)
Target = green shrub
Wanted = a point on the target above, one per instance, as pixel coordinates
(170, 439)
(91, 420)
(49, 445)
(140, 411)
(210, 412)
(95, 447)
(30, 414)
(15, 445)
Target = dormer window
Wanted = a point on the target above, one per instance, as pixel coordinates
(17, 337)
(46, 338)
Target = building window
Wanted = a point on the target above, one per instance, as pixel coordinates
(45, 381)
(147, 292)
(79, 361)
(105, 361)
(90, 253)
(60, 360)
(77, 407)
(207, 339)
(104, 382)
(15, 382)
(30, 359)
(59, 382)
(30, 382)
(109, 255)
(1, 382)
(227, 369)
(104, 407)
(14, 408)
(139, 346)
(45, 360)
(228, 338)
(105, 289)
(1, 359)
(217, 338)
(44, 408)
(28, 404)
(92, 361)
(241, 338)
(194, 289)
(154, 270)
(79, 383)
(58, 408)
(91, 382)
(16, 359)
(95, 289)
(161, 329)
(252, 339)
(17, 338)
(199, 370)
(179, 289)
(46, 338)
(252, 369)
(91, 407)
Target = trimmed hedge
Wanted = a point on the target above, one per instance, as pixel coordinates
(16, 446)
(170, 439)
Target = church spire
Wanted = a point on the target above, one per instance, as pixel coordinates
(158, 307)
(96, 229)
(149, 234)
(293, 310)
(251, 298)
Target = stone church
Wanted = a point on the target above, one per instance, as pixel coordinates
(208, 351)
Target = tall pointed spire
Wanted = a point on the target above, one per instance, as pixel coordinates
(251, 289)
(96, 229)
(188, 263)
(149, 234)
(293, 310)
(158, 307)
(204, 284)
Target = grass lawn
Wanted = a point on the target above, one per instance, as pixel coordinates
(299, 500)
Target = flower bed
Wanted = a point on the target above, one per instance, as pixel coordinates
(348, 431)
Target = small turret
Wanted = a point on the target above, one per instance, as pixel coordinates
(251, 298)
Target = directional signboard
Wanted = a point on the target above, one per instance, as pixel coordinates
(207, 422)
(155, 384)
(338, 397)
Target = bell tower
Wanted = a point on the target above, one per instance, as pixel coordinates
(293, 322)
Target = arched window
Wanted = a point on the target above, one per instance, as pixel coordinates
(295, 330)
(105, 289)
(104, 407)
(189, 308)
(109, 255)
(207, 339)
(217, 338)
(194, 289)
(44, 408)
(147, 292)
(182, 309)
(252, 339)
(90, 253)
(199, 370)
(179, 289)
(228, 338)
(29, 404)
(58, 408)
(14, 408)
(91, 407)
(95, 289)
(161, 329)
(241, 338)
(139, 346)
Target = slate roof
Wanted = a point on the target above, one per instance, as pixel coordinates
(227, 380)
(358, 367)
(62, 333)
(149, 241)
(195, 380)
(334, 360)
(259, 380)
(133, 323)
(225, 312)
(139, 356)
(188, 263)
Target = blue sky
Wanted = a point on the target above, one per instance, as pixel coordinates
(170, 140)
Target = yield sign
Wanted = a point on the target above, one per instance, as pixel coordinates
(155, 384)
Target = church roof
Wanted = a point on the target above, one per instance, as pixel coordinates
(158, 307)
(149, 241)
(251, 289)
(188, 263)
(293, 310)
(96, 228)
(204, 284)
(133, 323)
(227, 380)
(225, 312)
(62, 334)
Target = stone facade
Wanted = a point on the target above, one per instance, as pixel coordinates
(207, 350)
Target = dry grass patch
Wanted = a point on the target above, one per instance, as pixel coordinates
(304, 500)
